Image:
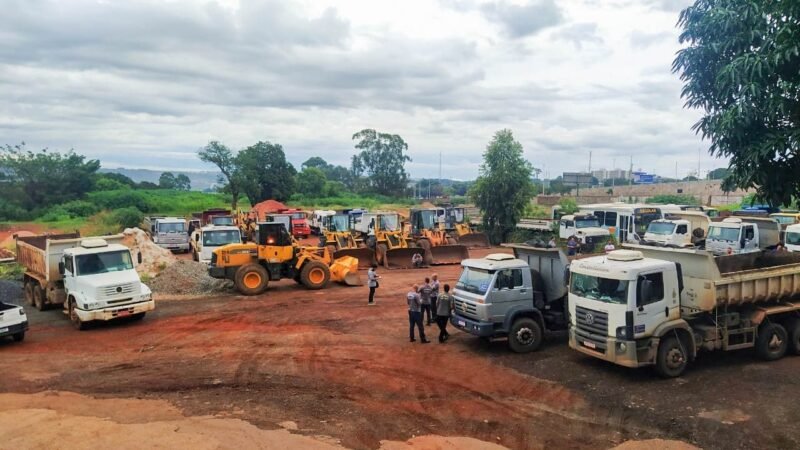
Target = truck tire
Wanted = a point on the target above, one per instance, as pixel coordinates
(315, 275)
(793, 328)
(672, 357)
(38, 298)
(76, 321)
(525, 335)
(137, 317)
(772, 341)
(19, 337)
(29, 293)
(251, 279)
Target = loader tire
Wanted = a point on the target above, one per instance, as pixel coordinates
(315, 275)
(772, 341)
(380, 254)
(38, 298)
(251, 279)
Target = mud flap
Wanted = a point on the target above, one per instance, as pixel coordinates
(365, 256)
(345, 270)
(474, 240)
(400, 258)
(449, 254)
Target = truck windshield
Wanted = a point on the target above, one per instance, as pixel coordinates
(603, 289)
(175, 227)
(339, 223)
(474, 280)
(723, 234)
(389, 222)
(662, 228)
(785, 220)
(104, 262)
(427, 220)
(217, 238)
(298, 215)
(587, 223)
(642, 221)
(222, 221)
(793, 238)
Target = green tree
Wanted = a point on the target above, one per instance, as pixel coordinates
(504, 188)
(265, 173)
(183, 183)
(311, 182)
(167, 181)
(568, 206)
(718, 174)
(39, 179)
(222, 157)
(382, 159)
(741, 66)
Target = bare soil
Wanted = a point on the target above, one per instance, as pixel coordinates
(323, 363)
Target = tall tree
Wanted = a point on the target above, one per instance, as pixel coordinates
(382, 159)
(311, 182)
(265, 173)
(504, 187)
(39, 179)
(167, 181)
(741, 66)
(222, 157)
(183, 182)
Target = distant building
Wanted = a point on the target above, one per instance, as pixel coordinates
(605, 174)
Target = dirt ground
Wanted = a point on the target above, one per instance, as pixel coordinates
(323, 363)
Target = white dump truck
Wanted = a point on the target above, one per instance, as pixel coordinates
(652, 306)
(736, 235)
(171, 233)
(792, 238)
(92, 278)
(205, 240)
(585, 227)
(683, 229)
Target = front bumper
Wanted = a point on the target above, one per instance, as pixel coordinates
(116, 311)
(617, 351)
(474, 327)
(176, 247)
(14, 329)
(216, 272)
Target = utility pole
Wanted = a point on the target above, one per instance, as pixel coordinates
(613, 173)
(440, 167)
(590, 162)
(630, 173)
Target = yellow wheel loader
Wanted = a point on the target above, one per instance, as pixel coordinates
(427, 231)
(382, 232)
(277, 256)
(458, 227)
(340, 242)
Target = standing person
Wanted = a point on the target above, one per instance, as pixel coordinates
(373, 283)
(609, 246)
(415, 315)
(443, 308)
(425, 294)
(434, 294)
(572, 246)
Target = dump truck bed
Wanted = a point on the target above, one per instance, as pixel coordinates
(550, 263)
(751, 278)
(41, 254)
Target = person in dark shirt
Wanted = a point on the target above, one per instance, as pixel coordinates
(415, 315)
(443, 308)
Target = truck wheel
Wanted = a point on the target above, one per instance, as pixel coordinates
(672, 357)
(29, 293)
(137, 317)
(38, 298)
(793, 327)
(772, 341)
(251, 279)
(19, 337)
(525, 336)
(73, 317)
(315, 275)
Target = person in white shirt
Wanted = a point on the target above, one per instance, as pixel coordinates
(609, 246)
(373, 276)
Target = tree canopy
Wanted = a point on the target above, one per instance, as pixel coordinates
(222, 157)
(382, 159)
(265, 173)
(741, 66)
(504, 187)
(311, 182)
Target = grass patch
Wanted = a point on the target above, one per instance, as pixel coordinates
(11, 271)
(350, 201)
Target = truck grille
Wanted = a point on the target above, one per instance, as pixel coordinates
(117, 290)
(466, 308)
(591, 327)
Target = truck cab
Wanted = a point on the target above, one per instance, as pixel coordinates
(170, 233)
(792, 238)
(585, 227)
(732, 236)
(222, 221)
(208, 238)
(519, 297)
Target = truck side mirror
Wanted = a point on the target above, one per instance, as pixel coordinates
(61, 269)
(139, 257)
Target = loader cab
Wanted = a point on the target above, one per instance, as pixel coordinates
(425, 219)
(273, 234)
(337, 223)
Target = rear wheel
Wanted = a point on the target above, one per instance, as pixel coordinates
(29, 292)
(19, 337)
(251, 279)
(77, 323)
(772, 341)
(38, 298)
(315, 275)
(672, 357)
(793, 328)
(525, 335)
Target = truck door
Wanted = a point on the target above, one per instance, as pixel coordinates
(69, 274)
(651, 305)
(508, 291)
(749, 239)
(566, 229)
(681, 235)
(624, 227)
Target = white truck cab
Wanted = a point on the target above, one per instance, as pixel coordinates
(793, 238)
(684, 229)
(205, 240)
(732, 236)
(585, 227)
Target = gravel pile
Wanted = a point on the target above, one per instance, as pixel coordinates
(188, 278)
(11, 292)
(154, 258)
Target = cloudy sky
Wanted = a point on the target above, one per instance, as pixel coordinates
(146, 83)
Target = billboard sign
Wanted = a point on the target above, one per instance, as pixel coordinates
(577, 179)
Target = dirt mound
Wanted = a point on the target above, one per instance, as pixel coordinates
(154, 258)
(266, 207)
(187, 278)
(5, 253)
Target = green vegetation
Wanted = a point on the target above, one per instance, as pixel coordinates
(349, 200)
(676, 199)
(568, 206)
(11, 271)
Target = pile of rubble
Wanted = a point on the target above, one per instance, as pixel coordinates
(188, 278)
(154, 258)
(6, 253)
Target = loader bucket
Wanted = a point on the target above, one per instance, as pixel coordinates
(400, 258)
(345, 270)
(449, 254)
(474, 240)
(365, 256)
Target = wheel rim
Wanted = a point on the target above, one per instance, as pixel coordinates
(316, 275)
(252, 280)
(525, 336)
(775, 342)
(675, 358)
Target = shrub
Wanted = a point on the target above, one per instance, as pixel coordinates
(80, 208)
(126, 217)
(673, 199)
(55, 214)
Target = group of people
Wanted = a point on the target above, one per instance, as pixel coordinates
(431, 298)
(574, 245)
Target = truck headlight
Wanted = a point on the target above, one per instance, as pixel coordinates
(621, 332)
(146, 297)
(622, 347)
(90, 305)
